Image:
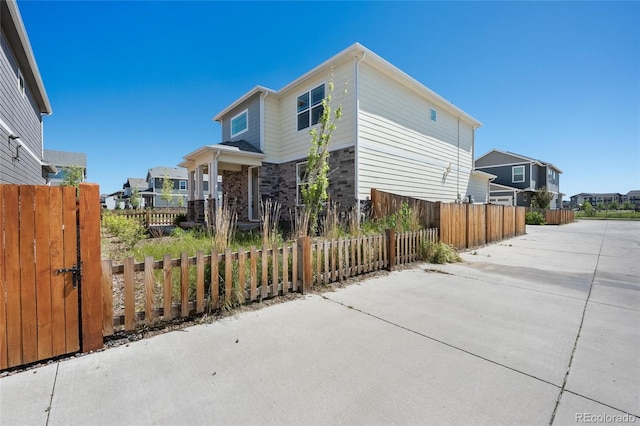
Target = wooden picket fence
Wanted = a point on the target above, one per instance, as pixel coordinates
(161, 290)
(153, 217)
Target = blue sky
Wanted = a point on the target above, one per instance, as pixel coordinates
(135, 84)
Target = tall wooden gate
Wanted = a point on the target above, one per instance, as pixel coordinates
(49, 241)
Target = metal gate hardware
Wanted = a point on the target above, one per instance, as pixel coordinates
(76, 270)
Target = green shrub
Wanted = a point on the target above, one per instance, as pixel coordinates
(534, 218)
(439, 253)
(127, 232)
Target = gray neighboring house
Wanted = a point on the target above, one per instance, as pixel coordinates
(634, 198)
(519, 177)
(63, 160)
(24, 102)
(155, 179)
(135, 184)
(594, 198)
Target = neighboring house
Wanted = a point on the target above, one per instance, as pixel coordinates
(63, 161)
(395, 135)
(112, 201)
(634, 198)
(522, 176)
(605, 198)
(138, 185)
(155, 181)
(23, 103)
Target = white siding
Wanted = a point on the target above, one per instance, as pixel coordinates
(272, 128)
(293, 144)
(401, 150)
(478, 188)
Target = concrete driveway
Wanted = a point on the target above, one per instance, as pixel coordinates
(539, 329)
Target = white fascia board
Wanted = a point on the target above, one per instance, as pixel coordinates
(257, 89)
(29, 57)
(485, 174)
(498, 187)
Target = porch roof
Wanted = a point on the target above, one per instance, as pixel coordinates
(229, 155)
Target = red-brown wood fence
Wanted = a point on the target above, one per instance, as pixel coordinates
(153, 217)
(460, 225)
(42, 312)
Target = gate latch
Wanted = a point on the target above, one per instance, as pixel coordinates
(76, 270)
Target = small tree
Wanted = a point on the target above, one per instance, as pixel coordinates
(167, 188)
(628, 206)
(600, 206)
(135, 199)
(542, 198)
(613, 205)
(314, 192)
(73, 176)
(588, 209)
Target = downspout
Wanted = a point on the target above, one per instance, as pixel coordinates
(356, 131)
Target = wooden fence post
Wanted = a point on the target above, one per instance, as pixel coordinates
(391, 248)
(305, 264)
(91, 287)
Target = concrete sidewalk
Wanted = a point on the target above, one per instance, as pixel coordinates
(537, 329)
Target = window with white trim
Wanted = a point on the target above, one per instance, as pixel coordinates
(240, 123)
(301, 180)
(183, 185)
(517, 174)
(309, 107)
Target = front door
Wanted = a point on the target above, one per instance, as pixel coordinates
(254, 193)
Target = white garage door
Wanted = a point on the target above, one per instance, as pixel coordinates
(505, 200)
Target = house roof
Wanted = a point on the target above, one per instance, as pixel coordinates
(498, 187)
(11, 23)
(485, 174)
(634, 193)
(242, 145)
(66, 158)
(364, 54)
(138, 183)
(170, 172)
(523, 157)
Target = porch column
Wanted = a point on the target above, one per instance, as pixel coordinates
(199, 183)
(213, 183)
(191, 185)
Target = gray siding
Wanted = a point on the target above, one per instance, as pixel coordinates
(23, 117)
(497, 158)
(252, 135)
(504, 175)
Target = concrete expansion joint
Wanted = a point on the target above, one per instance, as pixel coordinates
(575, 343)
(53, 389)
(433, 339)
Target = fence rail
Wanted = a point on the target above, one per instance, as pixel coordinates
(160, 290)
(153, 217)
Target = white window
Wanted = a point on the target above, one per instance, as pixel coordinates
(301, 180)
(517, 174)
(183, 185)
(434, 115)
(21, 86)
(309, 107)
(240, 123)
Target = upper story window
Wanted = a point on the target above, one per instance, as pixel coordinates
(434, 115)
(309, 107)
(183, 185)
(240, 123)
(517, 174)
(21, 86)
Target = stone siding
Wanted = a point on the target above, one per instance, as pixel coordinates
(236, 192)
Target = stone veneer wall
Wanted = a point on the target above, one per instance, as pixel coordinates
(236, 191)
(278, 181)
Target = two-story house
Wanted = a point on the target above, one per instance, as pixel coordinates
(24, 102)
(177, 176)
(518, 177)
(64, 161)
(395, 135)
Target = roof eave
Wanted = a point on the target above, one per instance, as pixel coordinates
(256, 89)
(32, 73)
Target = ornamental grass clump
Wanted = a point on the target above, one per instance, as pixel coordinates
(439, 253)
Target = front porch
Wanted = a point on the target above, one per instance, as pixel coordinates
(237, 163)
